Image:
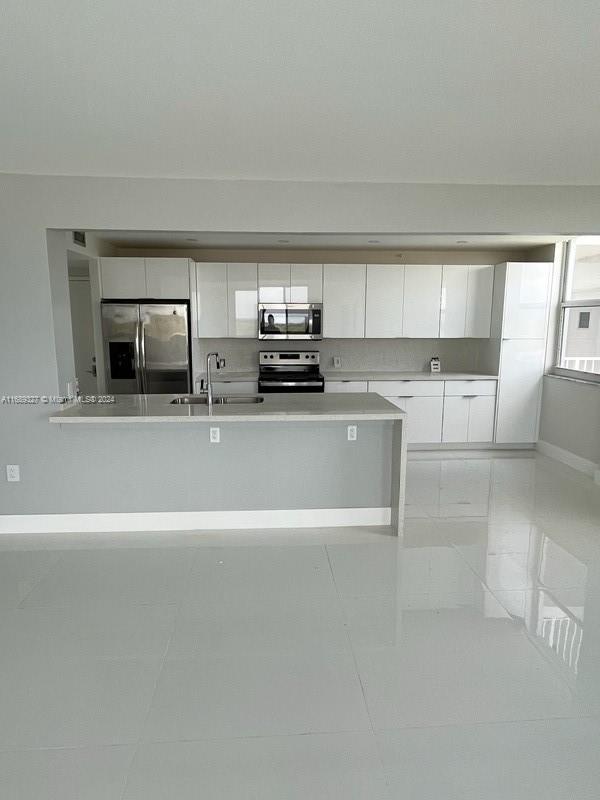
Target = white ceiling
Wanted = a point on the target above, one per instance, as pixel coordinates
(288, 241)
(472, 91)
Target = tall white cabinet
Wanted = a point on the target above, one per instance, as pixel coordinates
(520, 318)
(242, 301)
(209, 302)
(344, 295)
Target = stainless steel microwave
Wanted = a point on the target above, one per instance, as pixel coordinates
(290, 321)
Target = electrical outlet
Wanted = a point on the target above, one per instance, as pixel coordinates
(215, 435)
(337, 362)
(352, 433)
(13, 473)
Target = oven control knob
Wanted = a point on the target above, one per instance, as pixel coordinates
(306, 356)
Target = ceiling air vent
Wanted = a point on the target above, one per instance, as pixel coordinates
(79, 238)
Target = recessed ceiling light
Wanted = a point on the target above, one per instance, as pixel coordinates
(283, 241)
(462, 241)
(374, 241)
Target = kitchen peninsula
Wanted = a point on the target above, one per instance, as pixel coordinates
(297, 461)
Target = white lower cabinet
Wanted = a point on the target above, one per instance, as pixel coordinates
(423, 401)
(345, 386)
(468, 418)
(236, 387)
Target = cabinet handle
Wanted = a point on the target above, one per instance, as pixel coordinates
(469, 396)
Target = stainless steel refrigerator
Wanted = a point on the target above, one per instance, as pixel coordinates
(146, 347)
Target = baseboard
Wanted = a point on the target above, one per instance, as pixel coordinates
(193, 520)
(460, 453)
(570, 459)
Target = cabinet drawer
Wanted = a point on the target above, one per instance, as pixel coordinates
(407, 388)
(346, 386)
(465, 388)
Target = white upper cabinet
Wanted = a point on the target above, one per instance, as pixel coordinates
(526, 292)
(167, 278)
(422, 296)
(479, 301)
(210, 300)
(274, 283)
(344, 300)
(385, 301)
(123, 278)
(453, 309)
(290, 283)
(306, 283)
(242, 300)
(138, 278)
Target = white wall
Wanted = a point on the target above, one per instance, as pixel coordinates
(29, 205)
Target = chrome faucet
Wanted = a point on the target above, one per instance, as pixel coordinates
(219, 362)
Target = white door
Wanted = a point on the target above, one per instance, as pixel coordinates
(479, 301)
(519, 390)
(481, 418)
(456, 419)
(344, 301)
(242, 300)
(210, 307)
(273, 283)
(526, 299)
(83, 335)
(385, 301)
(306, 283)
(167, 278)
(422, 296)
(123, 278)
(453, 309)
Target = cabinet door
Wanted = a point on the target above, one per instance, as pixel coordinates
(168, 278)
(273, 283)
(526, 300)
(453, 309)
(519, 390)
(211, 300)
(123, 278)
(344, 288)
(306, 283)
(242, 301)
(456, 419)
(481, 418)
(424, 418)
(345, 386)
(385, 301)
(422, 296)
(479, 301)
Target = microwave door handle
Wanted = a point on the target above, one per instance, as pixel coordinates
(139, 343)
(137, 359)
(310, 321)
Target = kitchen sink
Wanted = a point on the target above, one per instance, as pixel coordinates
(218, 400)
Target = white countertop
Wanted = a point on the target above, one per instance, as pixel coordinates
(367, 375)
(275, 408)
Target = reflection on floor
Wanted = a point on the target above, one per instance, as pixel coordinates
(460, 662)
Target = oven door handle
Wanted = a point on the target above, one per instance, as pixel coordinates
(290, 383)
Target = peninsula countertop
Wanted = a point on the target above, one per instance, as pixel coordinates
(295, 407)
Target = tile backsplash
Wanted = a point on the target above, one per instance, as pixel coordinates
(456, 355)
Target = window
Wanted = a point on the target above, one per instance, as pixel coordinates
(580, 318)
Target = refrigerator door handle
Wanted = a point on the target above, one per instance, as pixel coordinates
(138, 357)
(143, 381)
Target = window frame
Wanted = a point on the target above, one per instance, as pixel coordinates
(568, 266)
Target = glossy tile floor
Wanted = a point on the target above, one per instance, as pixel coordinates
(460, 663)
